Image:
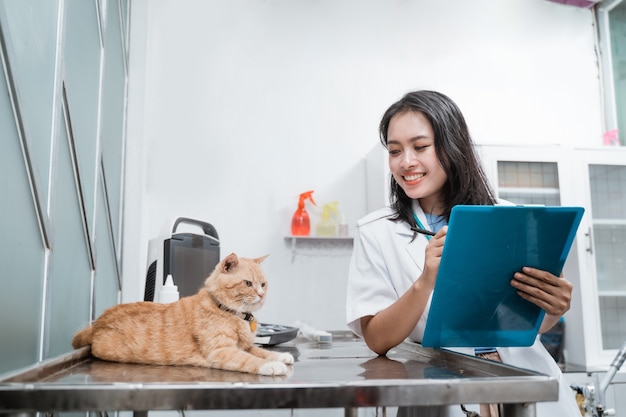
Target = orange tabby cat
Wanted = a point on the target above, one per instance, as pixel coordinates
(214, 328)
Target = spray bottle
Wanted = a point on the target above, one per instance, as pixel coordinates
(300, 223)
(327, 227)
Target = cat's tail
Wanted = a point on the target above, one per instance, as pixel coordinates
(82, 338)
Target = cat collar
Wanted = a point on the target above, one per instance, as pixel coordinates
(246, 316)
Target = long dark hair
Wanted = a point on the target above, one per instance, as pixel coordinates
(467, 182)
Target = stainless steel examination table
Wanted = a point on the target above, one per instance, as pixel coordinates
(343, 374)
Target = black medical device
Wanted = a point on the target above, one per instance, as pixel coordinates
(188, 257)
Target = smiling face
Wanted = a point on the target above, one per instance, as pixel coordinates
(413, 161)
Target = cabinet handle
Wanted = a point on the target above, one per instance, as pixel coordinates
(589, 241)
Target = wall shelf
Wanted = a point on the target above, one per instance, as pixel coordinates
(317, 246)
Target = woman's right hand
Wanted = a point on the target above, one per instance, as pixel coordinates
(390, 326)
(434, 249)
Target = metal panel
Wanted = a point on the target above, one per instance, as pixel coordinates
(69, 282)
(107, 285)
(113, 114)
(30, 31)
(81, 74)
(22, 253)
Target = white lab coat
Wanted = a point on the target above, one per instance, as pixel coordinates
(385, 263)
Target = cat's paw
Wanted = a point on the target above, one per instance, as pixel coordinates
(274, 368)
(285, 357)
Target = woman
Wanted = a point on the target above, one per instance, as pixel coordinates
(394, 264)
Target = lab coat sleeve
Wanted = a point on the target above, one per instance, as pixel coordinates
(370, 289)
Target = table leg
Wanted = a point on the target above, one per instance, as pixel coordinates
(351, 412)
(518, 410)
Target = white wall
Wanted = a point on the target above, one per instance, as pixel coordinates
(236, 107)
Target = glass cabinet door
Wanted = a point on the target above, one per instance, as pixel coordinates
(607, 187)
(526, 175)
(529, 182)
(600, 175)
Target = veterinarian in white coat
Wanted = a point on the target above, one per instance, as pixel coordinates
(394, 264)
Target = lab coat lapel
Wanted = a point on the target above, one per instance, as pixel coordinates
(417, 247)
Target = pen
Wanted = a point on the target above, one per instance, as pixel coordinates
(423, 231)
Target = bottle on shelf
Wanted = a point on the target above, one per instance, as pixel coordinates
(327, 227)
(300, 222)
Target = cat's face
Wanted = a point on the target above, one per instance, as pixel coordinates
(238, 283)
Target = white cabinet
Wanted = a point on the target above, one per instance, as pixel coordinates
(596, 180)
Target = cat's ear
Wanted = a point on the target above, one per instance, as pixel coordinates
(261, 259)
(229, 262)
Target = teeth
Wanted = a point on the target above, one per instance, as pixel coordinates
(413, 177)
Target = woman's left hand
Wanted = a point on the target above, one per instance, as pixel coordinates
(551, 293)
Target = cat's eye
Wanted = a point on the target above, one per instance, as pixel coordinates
(263, 285)
(248, 283)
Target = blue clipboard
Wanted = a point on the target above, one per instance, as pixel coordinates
(473, 303)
